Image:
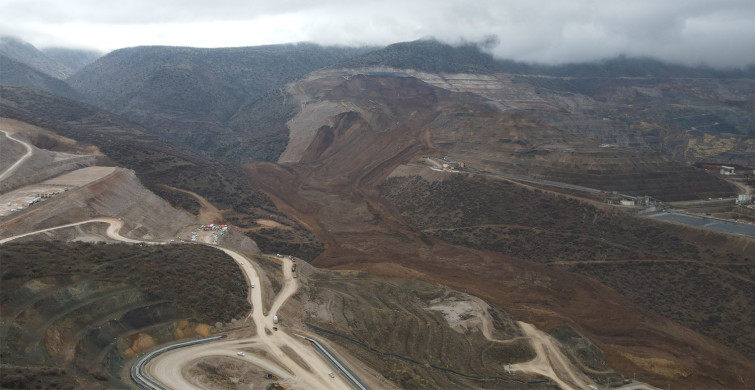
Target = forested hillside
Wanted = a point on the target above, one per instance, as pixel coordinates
(191, 95)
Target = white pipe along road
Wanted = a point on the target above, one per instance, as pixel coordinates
(310, 371)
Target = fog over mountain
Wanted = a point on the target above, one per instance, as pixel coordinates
(693, 32)
(545, 195)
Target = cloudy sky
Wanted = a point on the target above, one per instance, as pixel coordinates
(719, 33)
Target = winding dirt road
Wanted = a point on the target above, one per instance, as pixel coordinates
(300, 363)
(18, 162)
(549, 361)
(113, 230)
(313, 373)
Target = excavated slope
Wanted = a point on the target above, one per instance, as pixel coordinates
(330, 181)
(43, 164)
(118, 195)
(481, 120)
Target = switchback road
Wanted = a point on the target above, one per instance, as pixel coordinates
(299, 362)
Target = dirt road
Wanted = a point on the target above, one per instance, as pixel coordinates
(113, 230)
(550, 361)
(20, 161)
(208, 213)
(301, 364)
(313, 373)
(172, 375)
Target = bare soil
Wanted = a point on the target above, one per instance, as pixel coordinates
(332, 191)
(80, 177)
(118, 195)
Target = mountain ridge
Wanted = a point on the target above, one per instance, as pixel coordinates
(191, 94)
(434, 56)
(18, 74)
(26, 53)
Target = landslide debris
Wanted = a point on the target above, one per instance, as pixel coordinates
(531, 224)
(84, 309)
(331, 183)
(686, 114)
(700, 279)
(713, 297)
(157, 162)
(191, 95)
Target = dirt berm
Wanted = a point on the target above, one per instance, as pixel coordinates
(118, 195)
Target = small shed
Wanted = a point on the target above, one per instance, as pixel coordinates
(726, 170)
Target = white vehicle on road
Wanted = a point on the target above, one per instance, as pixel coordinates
(252, 285)
(240, 353)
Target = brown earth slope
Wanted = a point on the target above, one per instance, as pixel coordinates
(388, 121)
(118, 195)
(157, 162)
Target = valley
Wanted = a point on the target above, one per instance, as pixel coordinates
(379, 236)
(464, 223)
(75, 310)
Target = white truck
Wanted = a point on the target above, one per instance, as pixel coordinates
(275, 320)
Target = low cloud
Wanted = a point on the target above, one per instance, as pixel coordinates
(716, 33)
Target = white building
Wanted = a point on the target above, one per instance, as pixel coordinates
(726, 170)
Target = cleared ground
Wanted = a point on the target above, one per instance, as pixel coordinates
(333, 189)
(80, 177)
(11, 158)
(52, 187)
(16, 198)
(21, 162)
